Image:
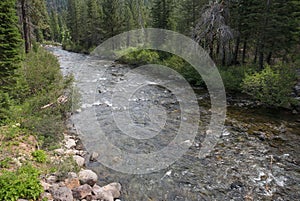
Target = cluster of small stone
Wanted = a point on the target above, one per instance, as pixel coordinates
(82, 186)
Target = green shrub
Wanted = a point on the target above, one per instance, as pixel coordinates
(184, 69)
(41, 83)
(63, 167)
(272, 86)
(233, 76)
(5, 103)
(23, 183)
(11, 131)
(39, 156)
(140, 57)
(6, 162)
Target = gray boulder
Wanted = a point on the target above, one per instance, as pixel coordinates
(62, 194)
(87, 177)
(82, 192)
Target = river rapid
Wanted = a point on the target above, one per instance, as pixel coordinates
(256, 158)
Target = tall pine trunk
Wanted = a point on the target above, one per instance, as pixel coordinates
(26, 29)
(244, 50)
(236, 50)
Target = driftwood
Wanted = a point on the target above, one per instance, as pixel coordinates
(61, 100)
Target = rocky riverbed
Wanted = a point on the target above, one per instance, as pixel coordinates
(256, 158)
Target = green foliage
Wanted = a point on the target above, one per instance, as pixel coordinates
(40, 19)
(65, 166)
(272, 86)
(5, 103)
(140, 57)
(23, 183)
(184, 68)
(112, 18)
(11, 131)
(163, 14)
(39, 156)
(5, 163)
(9, 43)
(233, 76)
(41, 83)
(189, 14)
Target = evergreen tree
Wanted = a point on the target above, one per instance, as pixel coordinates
(55, 27)
(93, 35)
(74, 12)
(189, 13)
(9, 43)
(162, 14)
(113, 21)
(40, 20)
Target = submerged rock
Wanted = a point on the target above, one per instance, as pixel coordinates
(94, 156)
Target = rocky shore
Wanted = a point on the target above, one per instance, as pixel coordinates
(76, 186)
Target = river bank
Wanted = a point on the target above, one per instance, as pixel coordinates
(77, 185)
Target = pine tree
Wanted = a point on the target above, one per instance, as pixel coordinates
(189, 13)
(40, 20)
(9, 43)
(55, 27)
(113, 22)
(162, 14)
(93, 35)
(74, 12)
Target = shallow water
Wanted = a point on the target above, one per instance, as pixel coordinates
(256, 158)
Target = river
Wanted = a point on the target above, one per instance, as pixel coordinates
(256, 158)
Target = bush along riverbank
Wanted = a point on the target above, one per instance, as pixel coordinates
(274, 86)
(39, 158)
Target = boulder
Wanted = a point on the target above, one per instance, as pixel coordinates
(51, 179)
(94, 156)
(80, 161)
(97, 189)
(72, 175)
(70, 143)
(108, 192)
(82, 192)
(46, 196)
(105, 196)
(45, 185)
(62, 194)
(114, 188)
(87, 177)
(59, 152)
(72, 183)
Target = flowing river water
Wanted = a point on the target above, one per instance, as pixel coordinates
(256, 158)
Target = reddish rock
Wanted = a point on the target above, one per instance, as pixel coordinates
(72, 183)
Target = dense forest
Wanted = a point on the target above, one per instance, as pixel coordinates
(254, 43)
(242, 37)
